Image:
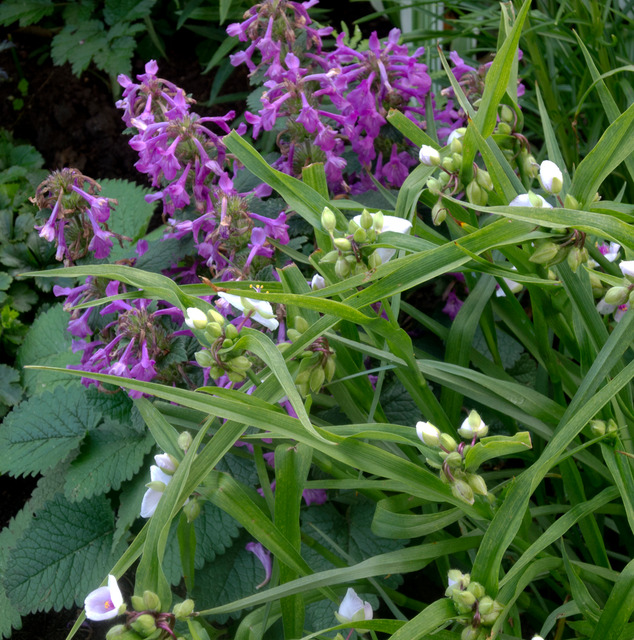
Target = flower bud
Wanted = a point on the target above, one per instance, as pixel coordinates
(185, 440)
(330, 258)
(490, 618)
(329, 368)
(484, 180)
(551, 177)
(428, 433)
(462, 491)
(151, 601)
(343, 244)
(438, 214)
(576, 256)
(166, 462)
(475, 194)
(191, 510)
(316, 379)
(470, 633)
(545, 252)
(359, 235)
(529, 164)
(477, 483)
(318, 281)
(464, 600)
(434, 185)
(476, 589)
(144, 625)
(455, 145)
(116, 632)
(506, 114)
(301, 324)
(328, 220)
(449, 164)
(570, 202)
(457, 161)
(366, 220)
(374, 260)
(377, 221)
(183, 609)
(597, 428)
(195, 318)
(342, 268)
(447, 442)
(138, 604)
(213, 331)
(473, 426)
(204, 358)
(457, 579)
(617, 295)
(429, 156)
(454, 460)
(231, 332)
(504, 129)
(156, 485)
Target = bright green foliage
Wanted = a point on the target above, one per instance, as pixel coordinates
(62, 554)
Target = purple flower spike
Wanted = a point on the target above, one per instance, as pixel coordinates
(264, 556)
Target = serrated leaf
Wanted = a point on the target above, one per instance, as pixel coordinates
(26, 11)
(115, 56)
(48, 343)
(62, 556)
(22, 297)
(78, 43)
(131, 216)
(10, 388)
(215, 531)
(110, 455)
(126, 10)
(43, 430)
(398, 405)
(242, 469)
(229, 577)
(116, 406)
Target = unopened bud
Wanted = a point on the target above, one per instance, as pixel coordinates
(212, 331)
(195, 318)
(597, 428)
(504, 129)
(506, 114)
(551, 177)
(343, 244)
(455, 145)
(185, 440)
(204, 358)
(428, 433)
(477, 483)
(617, 295)
(438, 214)
(231, 331)
(374, 260)
(570, 202)
(359, 235)
(377, 221)
(464, 600)
(183, 609)
(462, 491)
(191, 510)
(434, 186)
(366, 219)
(317, 378)
(476, 589)
(330, 258)
(429, 156)
(342, 268)
(449, 164)
(151, 601)
(447, 442)
(484, 180)
(328, 220)
(576, 256)
(138, 604)
(301, 324)
(144, 625)
(545, 252)
(475, 194)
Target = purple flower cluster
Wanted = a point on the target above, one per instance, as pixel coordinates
(77, 222)
(324, 103)
(187, 160)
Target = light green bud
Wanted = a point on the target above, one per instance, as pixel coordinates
(213, 331)
(301, 324)
(204, 358)
(138, 604)
(476, 589)
(231, 332)
(612, 426)
(464, 600)
(438, 214)
(214, 316)
(506, 114)
(462, 491)
(366, 219)
(377, 221)
(447, 442)
(484, 180)
(444, 178)
(240, 363)
(490, 618)
(434, 186)
(470, 633)
(485, 604)
(359, 235)
(454, 460)
(235, 376)
(185, 440)
(227, 342)
(597, 428)
(428, 433)
(457, 161)
(477, 483)
(330, 368)
(317, 378)
(343, 244)
(191, 510)
(144, 625)
(328, 220)
(570, 202)
(575, 257)
(449, 164)
(303, 377)
(216, 372)
(545, 252)
(183, 609)
(475, 194)
(504, 129)
(195, 318)
(374, 260)
(350, 259)
(116, 632)
(456, 145)
(370, 235)
(151, 601)
(293, 334)
(342, 268)
(617, 295)
(352, 227)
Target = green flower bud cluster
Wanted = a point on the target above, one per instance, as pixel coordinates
(350, 256)
(214, 332)
(623, 293)
(571, 248)
(599, 428)
(465, 485)
(474, 606)
(317, 362)
(148, 622)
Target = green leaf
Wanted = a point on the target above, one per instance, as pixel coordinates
(126, 10)
(496, 447)
(63, 554)
(43, 430)
(110, 455)
(47, 343)
(427, 621)
(618, 608)
(26, 11)
(78, 44)
(10, 388)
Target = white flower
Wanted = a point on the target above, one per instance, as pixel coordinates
(153, 494)
(262, 310)
(195, 318)
(524, 200)
(104, 603)
(551, 177)
(456, 134)
(429, 156)
(390, 223)
(627, 268)
(473, 426)
(621, 311)
(166, 463)
(353, 609)
(611, 251)
(515, 287)
(317, 282)
(428, 433)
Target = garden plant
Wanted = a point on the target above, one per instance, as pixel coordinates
(355, 362)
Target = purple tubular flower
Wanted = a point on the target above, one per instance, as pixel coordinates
(314, 496)
(264, 556)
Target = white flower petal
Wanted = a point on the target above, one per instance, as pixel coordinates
(350, 605)
(150, 502)
(523, 200)
(627, 268)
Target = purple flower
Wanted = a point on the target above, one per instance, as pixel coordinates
(264, 556)
(453, 305)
